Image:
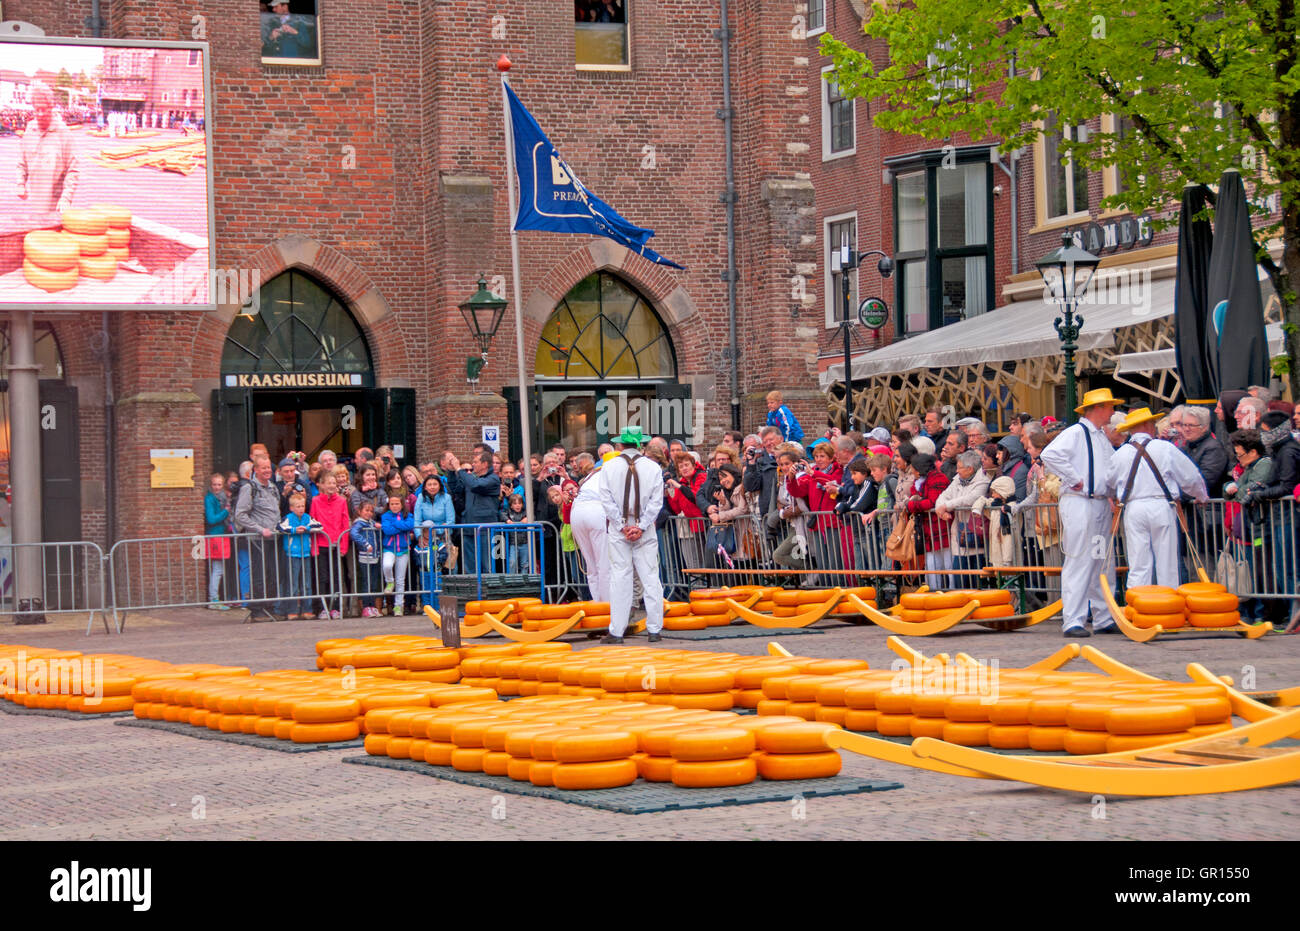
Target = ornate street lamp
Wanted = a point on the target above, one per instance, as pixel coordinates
(1067, 272)
(843, 260)
(482, 312)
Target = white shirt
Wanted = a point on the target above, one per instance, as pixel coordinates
(613, 479)
(589, 488)
(1067, 457)
(1178, 471)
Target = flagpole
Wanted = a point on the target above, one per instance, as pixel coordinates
(503, 66)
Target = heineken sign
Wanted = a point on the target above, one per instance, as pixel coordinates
(873, 313)
(1114, 235)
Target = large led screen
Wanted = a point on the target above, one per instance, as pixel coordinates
(105, 176)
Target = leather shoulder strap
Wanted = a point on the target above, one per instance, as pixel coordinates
(1160, 479)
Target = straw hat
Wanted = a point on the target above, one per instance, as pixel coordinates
(1094, 397)
(1136, 418)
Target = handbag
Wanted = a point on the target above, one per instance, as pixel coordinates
(1233, 571)
(723, 535)
(901, 545)
(453, 553)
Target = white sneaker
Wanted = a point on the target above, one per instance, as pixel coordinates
(397, 611)
(324, 616)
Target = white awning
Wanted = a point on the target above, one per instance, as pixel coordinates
(1022, 330)
(1163, 359)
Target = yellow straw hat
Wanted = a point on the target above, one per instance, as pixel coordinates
(1094, 397)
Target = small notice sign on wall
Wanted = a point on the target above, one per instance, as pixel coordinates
(171, 468)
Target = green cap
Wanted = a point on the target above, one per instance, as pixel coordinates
(631, 436)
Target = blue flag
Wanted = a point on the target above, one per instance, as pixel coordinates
(552, 198)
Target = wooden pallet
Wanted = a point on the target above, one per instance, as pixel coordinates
(953, 618)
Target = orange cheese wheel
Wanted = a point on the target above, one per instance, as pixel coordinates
(495, 762)
(1118, 743)
(968, 708)
(468, 759)
(833, 667)
(594, 747)
(1148, 718)
(715, 620)
(606, 774)
(860, 720)
(517, 768)
(1050, 711)
(1157, 602)
(967, 735)
(1225, 619)
(118, 238)
(704, 744)
(88, 246)
(915, 601)
(550, 612)
(929, 704)
(1205, 730)
(764, 607)
(1202, 588)
(863, 697)
(772, 706)
(706, 701)
(775, 686)
(103, 706)
(778, 766)
(1211, 710)
(1086, 742)
(709, 607)
(746, 698)
(704, 680)
(324, 733)
(802, 709)
(804, 688)
(377, 744)
(265, 726)
(912, 616)
(1089, 714)
(48, 280)
(1009, 736)
(697, 775)
(1216, 603)
(677, 608)
(894, 725)
(428, 660)
(438, 752)
(928, 727)
(785, 611)
(594, 621)
(1050, 739)
(51, 250)
(540, 772)
(399, 748)
(831, 714)
(1136, 590)
(326, 711)
(1147, 621)
(894, 701)
(114, 214)
(938, 601)
(689, 622)
(658, 741)
(85, 222)
(993, 611)
(373, 700)
(655, 768)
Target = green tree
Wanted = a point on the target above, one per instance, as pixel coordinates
(1202, 86)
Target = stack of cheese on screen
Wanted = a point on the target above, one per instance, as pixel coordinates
(932, 606)
(537, 616)
(90, 245)
(1004, 708)
(1200, 604)
(89, 683)
(582, 742)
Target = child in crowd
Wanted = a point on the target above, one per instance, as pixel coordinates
(397, 526)
(216, 523)
(520, 555)
(298, 527)
(330, 509)
(781, 417)
(433, 508)
(365, 536)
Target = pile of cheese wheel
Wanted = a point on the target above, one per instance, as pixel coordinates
(1200, 604)
(695, 679)
(538, 616)
(93, 240)
(932, 606)
(1003, 708)
(582, 742)
(89, 683)
(798, 601)
(474, 610)
(708, 607)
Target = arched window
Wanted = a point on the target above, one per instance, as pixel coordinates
(604, 329)
(300, 326)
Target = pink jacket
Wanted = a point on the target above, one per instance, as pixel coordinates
(332, 512)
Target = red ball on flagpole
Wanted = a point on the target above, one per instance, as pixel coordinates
(503, 63)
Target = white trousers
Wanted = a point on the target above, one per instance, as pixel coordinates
(938, 560)
(641, 558)
(1086, 553)
(588, 522)
(1151, 542)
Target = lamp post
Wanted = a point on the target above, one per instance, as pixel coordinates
(482, 312)
(844, 260)
(1067, 272)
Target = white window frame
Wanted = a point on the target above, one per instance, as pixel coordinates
(833, 297)
(627, 26)
(956, 84)
(316, 62)
(816, 31)
(1042, 220)
(825, 90)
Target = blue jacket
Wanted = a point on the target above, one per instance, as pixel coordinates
(298, 544)
(366, 537)
(397, 531)
(784, 420)
(439, 512)
(482, 498)
(216, 516)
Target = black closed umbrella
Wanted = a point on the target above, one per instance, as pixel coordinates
(1236, 307)
(1191, 313)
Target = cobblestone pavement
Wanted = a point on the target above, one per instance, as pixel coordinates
(76, 780)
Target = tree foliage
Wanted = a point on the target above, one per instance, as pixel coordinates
(1205, 86)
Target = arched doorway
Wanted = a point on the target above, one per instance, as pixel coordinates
(605, 360)
(298, 376)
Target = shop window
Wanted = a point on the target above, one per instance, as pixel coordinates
(603, 328)
(300, 326)
(839, 229)
(837, 119)
(194, 57)
(816, 16)
(290, 32)
(949, 77)
(600, 34)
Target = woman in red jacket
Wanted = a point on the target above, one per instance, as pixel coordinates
(823, 525)
(934, 532)
(330, 509)
(679, 495)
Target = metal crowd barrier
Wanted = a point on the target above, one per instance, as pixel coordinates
(72, 577)
(1253, 549)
